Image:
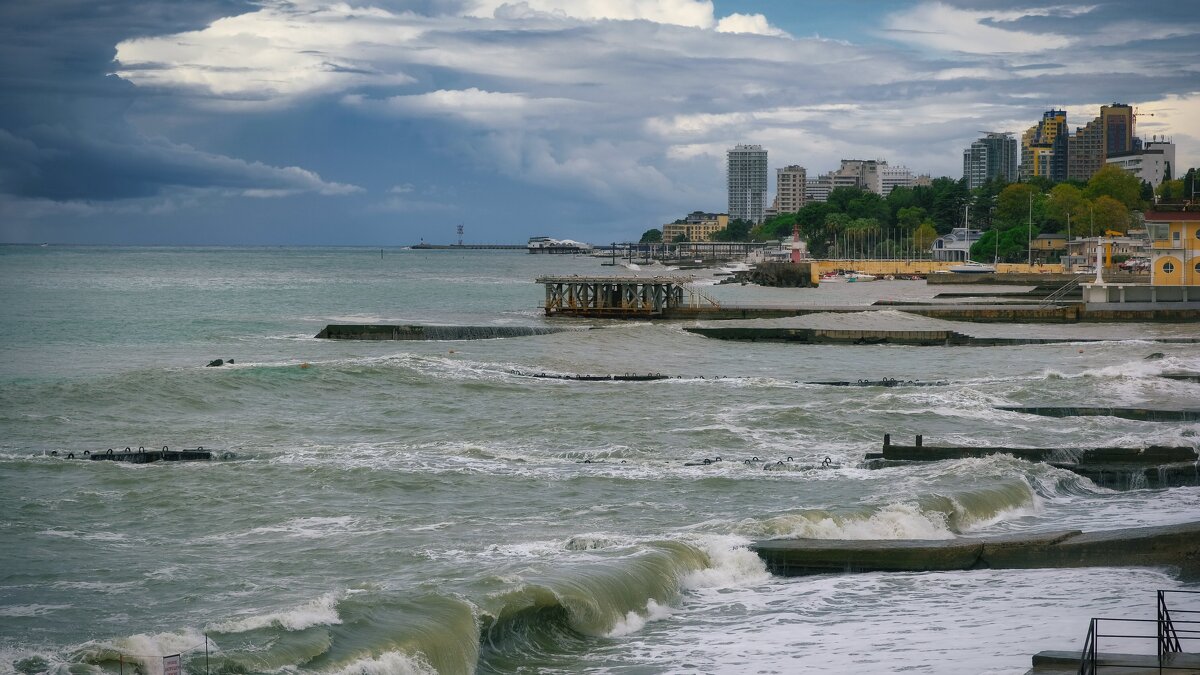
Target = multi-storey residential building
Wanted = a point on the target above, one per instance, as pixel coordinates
(1044, 147)
(1152, 163)
(790, 185)
(892, 177)
(872, 175)
(695, 226)
(1111, 133)
(818, 189)
(746, 169)
(993, 157)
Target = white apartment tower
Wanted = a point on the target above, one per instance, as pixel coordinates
(790, 183)
(747, 178)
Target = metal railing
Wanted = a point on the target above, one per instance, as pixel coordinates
(1061, 292)
(1169, 636)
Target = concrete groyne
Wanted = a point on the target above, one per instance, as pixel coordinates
(144, 456)
(420, 332)
(1176, 546)
(923, 338)
(1111, 467)
(1138, 414)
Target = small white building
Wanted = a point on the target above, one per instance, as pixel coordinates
(956, 246)
(1149, 164)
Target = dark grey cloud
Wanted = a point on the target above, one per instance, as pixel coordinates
(64, 134)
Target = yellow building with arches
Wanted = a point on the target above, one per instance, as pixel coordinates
(1174, 248)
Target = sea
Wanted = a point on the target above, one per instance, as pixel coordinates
(427, 506)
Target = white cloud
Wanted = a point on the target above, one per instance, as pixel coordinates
(694, 13)
(939, 26)
(489, 109)
(278, 52)
(748, 23)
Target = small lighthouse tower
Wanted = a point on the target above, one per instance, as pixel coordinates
(796, 243)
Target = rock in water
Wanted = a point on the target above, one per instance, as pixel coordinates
(1155, 356)
(215, 363)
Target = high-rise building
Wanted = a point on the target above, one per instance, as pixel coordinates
(1044, 147)
(790, 182)
(1109, 134)
(993, 157)
(746, 167)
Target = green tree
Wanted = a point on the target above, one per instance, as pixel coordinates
(1065, 201)
(923, 236)
(651, 236)
(1171, 189)
(1013, 203)
(736, 230)
(679, 238)
(909, 217)
(869, 205)
(1111, 181)
(1003, 245)
(1111, 215)
(949, 198)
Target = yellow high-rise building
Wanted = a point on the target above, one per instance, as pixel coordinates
(1044, 147)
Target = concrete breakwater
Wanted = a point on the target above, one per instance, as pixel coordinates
(1114, 468)
(580, 377)
(421, 332)
(1139, 414)
(144, 456)
(922, 338)
(1176, 546)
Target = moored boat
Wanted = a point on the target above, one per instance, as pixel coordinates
(972, 267)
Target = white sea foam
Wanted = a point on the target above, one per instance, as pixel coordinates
(148, 649)
(86, 536)
(902, 520)
(731, 563)
(321, 611)
(635, 621)
(29, 610)
(387, 663)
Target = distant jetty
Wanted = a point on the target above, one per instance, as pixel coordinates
(467, 247)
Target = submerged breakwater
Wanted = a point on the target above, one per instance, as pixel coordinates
(419, 332)
(416, 506)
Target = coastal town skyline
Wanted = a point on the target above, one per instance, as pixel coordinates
(391, 122)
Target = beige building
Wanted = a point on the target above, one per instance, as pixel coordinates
(696, 226)
(790, 182)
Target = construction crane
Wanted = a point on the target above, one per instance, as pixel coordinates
(1136, 113)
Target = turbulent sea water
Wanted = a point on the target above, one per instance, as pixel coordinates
(405, 507)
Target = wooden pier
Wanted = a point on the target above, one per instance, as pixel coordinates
(621, 297)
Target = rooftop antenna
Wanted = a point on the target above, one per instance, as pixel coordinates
(460, 231)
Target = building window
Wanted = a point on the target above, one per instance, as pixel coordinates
(1168, 268)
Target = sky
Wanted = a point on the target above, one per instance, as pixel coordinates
(389, 122)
